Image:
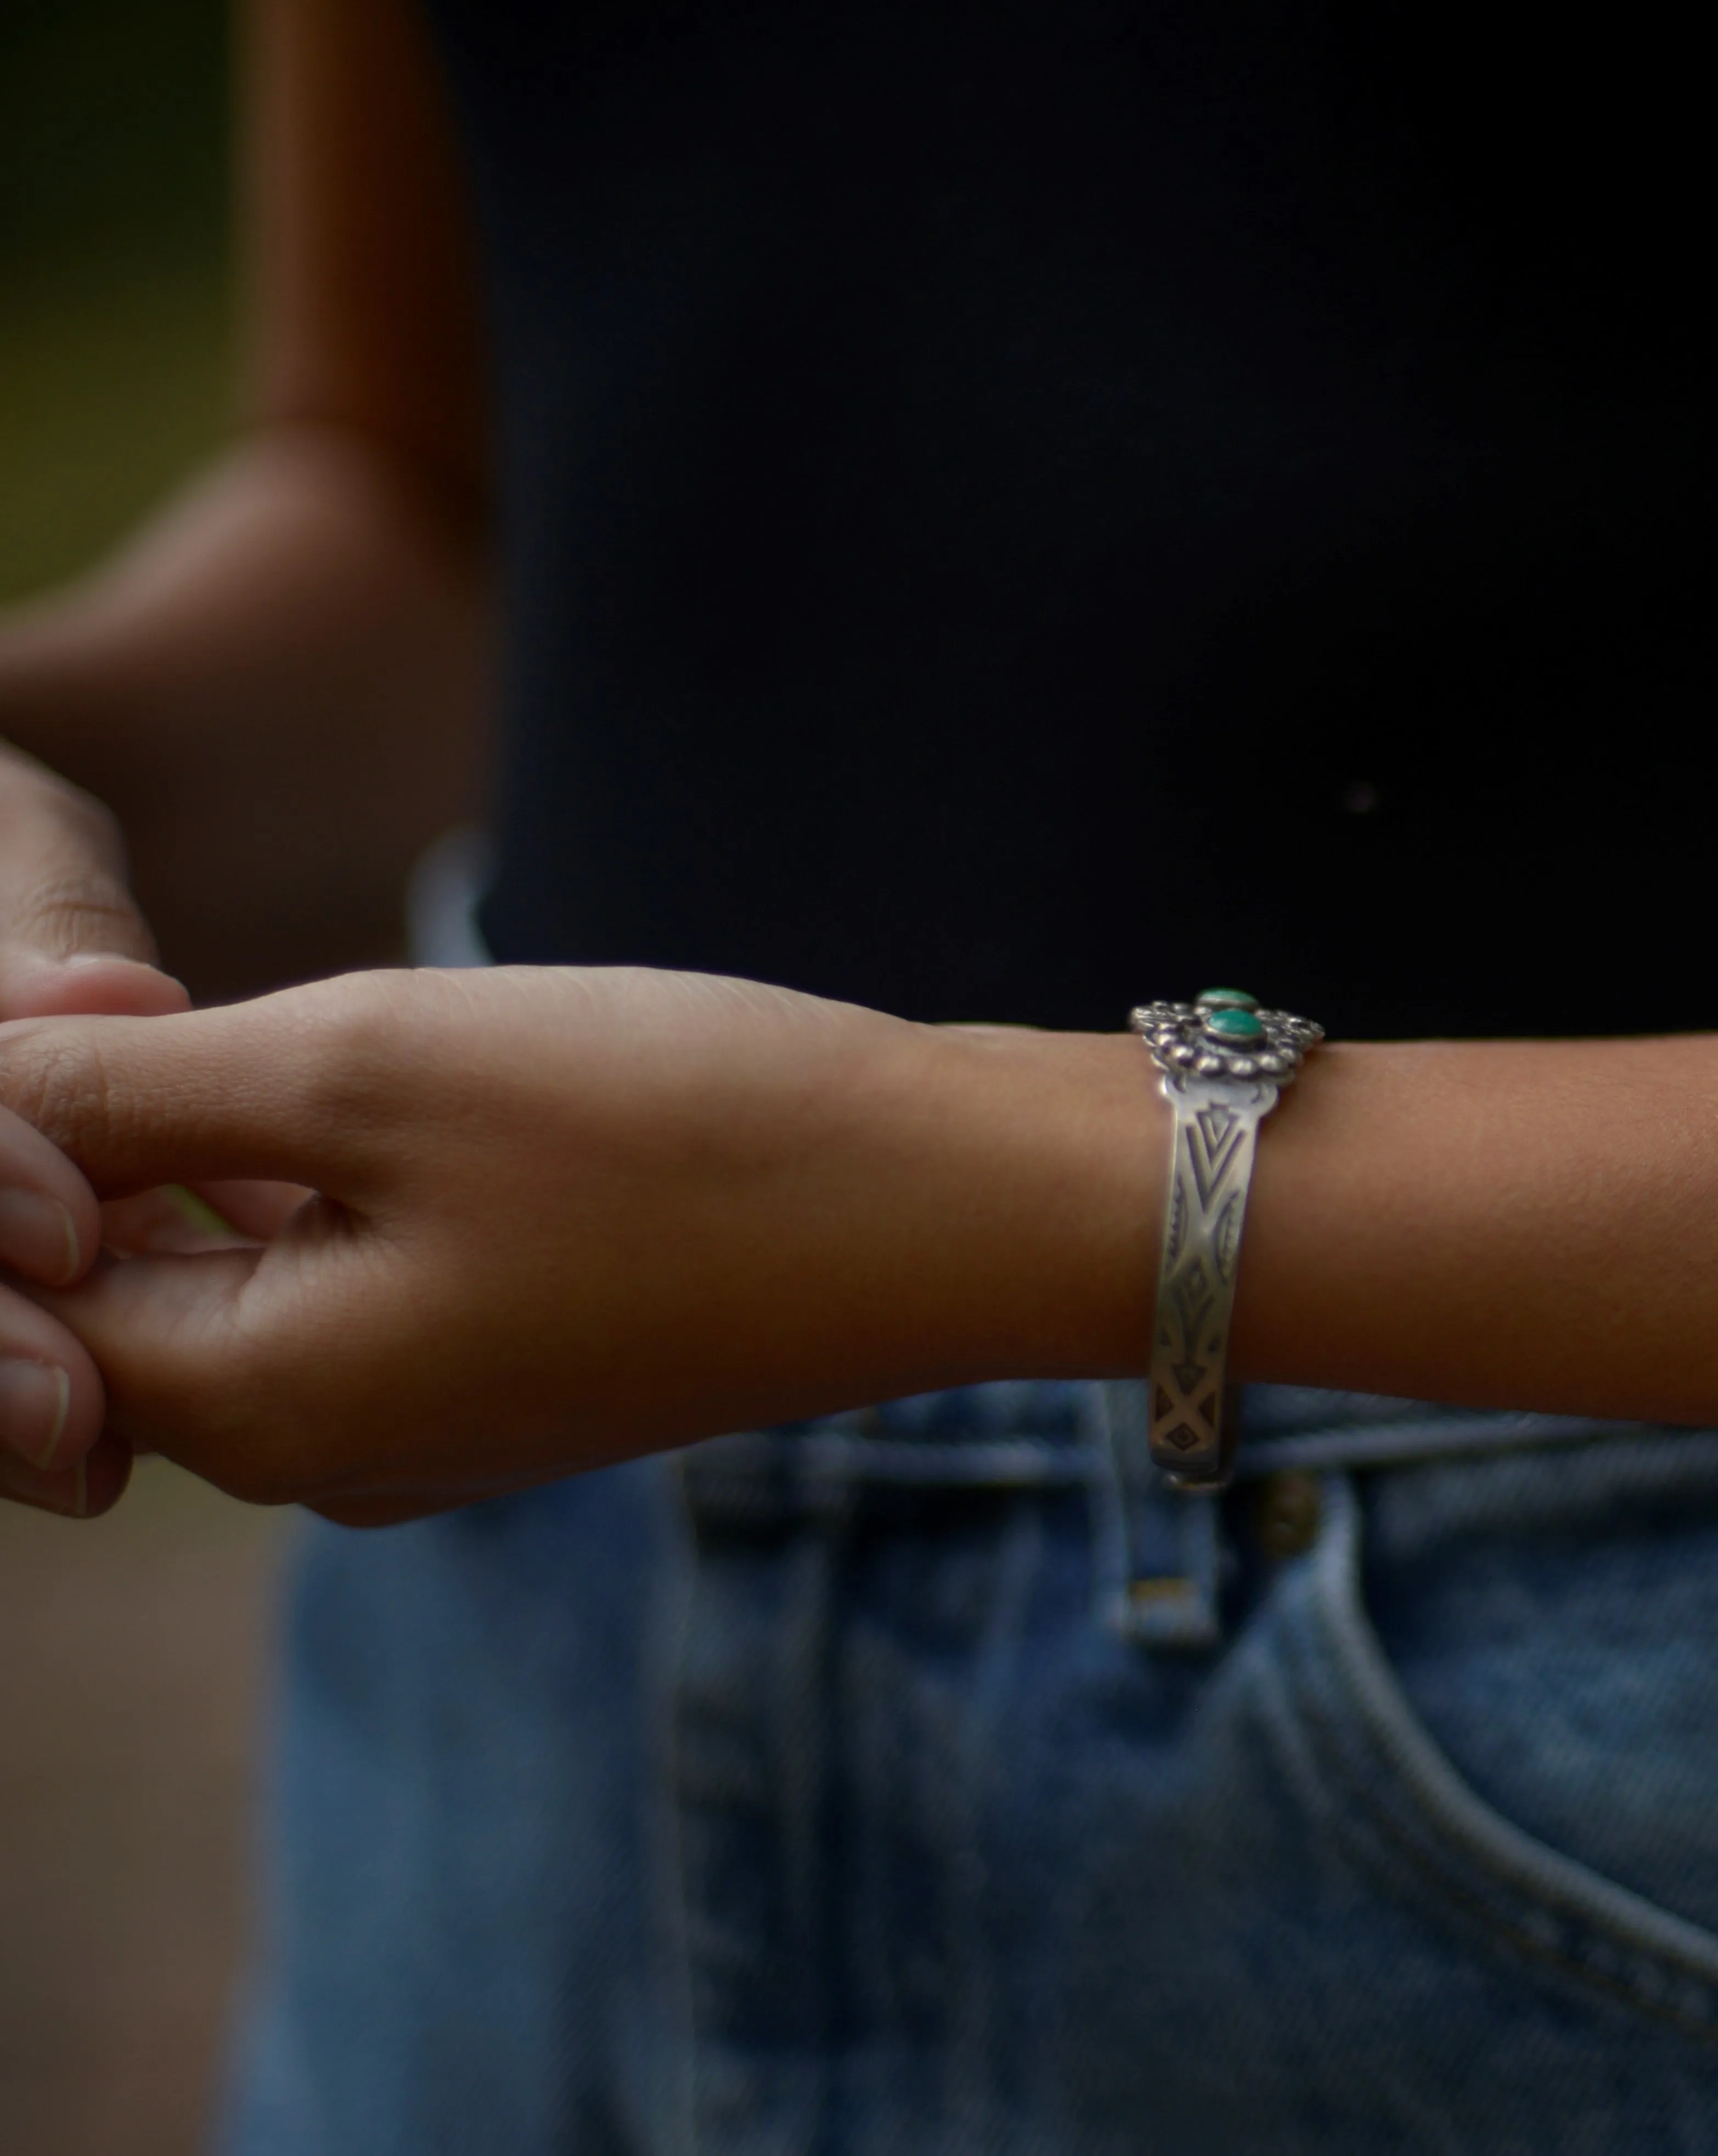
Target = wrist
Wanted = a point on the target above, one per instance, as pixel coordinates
(1028, 1224)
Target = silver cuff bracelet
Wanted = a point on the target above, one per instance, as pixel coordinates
(1224, 1062)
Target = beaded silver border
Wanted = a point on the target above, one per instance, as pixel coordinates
(1175, 1034)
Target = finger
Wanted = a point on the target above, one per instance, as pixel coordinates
(51, 1400)
(71, 937)
(242, 1366)
(93, 1486)
(258, 1210)
(32, 986)
(286, 1089)
(50, 1226)
(182, 1370)
(167, 1218)
(239, 1399)
(215, 1216)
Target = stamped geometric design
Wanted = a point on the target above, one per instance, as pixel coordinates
(1224, 1059)
(1226, 1236)
(1215, 1124)
(1216, 1140)
(1223, 1063)
(1177, 1222)
(1191, 1286)
(1213, 1154)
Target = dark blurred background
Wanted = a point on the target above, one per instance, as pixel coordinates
(129, 1682)
(115, 269)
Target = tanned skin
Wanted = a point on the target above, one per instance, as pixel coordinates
(496, 1227)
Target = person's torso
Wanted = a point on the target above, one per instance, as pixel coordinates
(1014, 510)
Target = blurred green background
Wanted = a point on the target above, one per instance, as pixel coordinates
(116, 285)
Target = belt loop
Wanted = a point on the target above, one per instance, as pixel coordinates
(1160, 1551)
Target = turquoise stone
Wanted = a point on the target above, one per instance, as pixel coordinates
(1235, 1029)
(1226, 1000)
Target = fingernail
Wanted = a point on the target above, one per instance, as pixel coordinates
(34, 1400)
(39, 1236)
(77, 962)
(84, 962)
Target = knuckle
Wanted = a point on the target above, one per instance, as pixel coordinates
(53, 1074)
(64, 858)
(85, 911)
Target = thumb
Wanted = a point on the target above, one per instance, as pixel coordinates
(71, 937)
(273, 1089)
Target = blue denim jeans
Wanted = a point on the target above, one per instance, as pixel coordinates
(931, 1781)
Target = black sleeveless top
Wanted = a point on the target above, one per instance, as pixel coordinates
(1015, 509)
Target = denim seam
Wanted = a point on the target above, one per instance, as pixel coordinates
(1414, 1443)
(1459, 1832)
(683, 1586)
(1026, 1461)
(969, 2095)
(1496, 1926)
(1108, 1515)
(803, 1669)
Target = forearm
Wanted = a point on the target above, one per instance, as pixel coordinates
(571, 1215)
(1508, 1223)
(1511, 1225)
(282, 689)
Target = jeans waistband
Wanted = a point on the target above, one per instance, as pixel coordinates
(1161, 1555)
(1288, 1426)
(1060, 1431)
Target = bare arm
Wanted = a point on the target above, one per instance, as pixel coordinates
(1503, 1224)
(281, 687)
(786, 1206)
(569, 1215)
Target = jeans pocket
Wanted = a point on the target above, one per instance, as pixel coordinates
(1503, 1671)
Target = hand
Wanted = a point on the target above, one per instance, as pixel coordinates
(71, 940)
(565, 1215)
